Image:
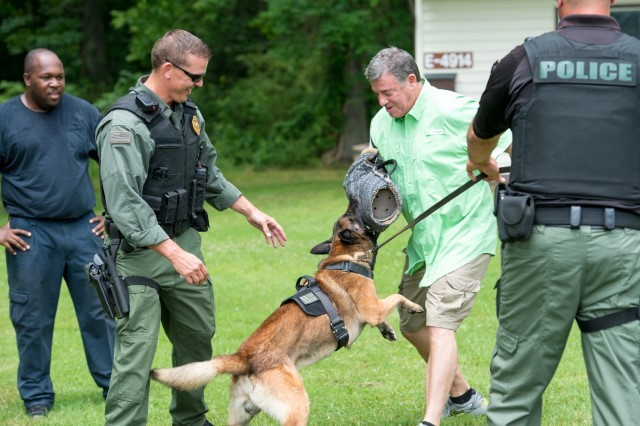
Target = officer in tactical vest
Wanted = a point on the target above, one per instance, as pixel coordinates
(569, 216)
(158, 167)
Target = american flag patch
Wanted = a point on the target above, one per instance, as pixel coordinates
(120, 137)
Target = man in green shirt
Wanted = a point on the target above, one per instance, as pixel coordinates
(157, 168)
(424, 130)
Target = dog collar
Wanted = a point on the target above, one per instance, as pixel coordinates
(350, 267)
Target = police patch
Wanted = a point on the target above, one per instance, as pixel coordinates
(308, 302)
(603, 71)
(309, 298)
(116, 137)
(195, 125)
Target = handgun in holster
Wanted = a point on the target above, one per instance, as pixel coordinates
(108, 285)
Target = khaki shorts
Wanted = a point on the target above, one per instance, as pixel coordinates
(447, 301)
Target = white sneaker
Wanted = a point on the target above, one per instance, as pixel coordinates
(476, 406)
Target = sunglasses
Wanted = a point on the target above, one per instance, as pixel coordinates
(194, 77)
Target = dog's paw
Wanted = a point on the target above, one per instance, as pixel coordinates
(387, 331)
(414, 308)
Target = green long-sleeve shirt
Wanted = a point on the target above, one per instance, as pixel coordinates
(430, 147)
(125, 148)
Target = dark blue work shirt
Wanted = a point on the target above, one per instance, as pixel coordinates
(44, 158)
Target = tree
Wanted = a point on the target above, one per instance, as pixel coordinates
(284, 87)
(74, 29)
(308, 85)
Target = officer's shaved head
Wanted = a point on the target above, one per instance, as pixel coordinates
(584, 7)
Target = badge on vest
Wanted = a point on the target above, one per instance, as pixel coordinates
(195, 125)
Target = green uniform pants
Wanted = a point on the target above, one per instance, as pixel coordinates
(557, 275)
(187, 316)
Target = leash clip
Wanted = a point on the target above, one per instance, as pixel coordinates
(367, 254)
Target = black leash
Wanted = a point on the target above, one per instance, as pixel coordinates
(439, 204)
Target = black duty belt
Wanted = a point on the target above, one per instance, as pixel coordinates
(574, 216)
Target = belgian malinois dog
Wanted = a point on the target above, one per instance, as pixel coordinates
(265, 367)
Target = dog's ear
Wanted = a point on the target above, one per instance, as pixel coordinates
(346, 236)
(322, 248)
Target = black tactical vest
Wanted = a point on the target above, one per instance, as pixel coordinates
(578, 136)
(176, 181)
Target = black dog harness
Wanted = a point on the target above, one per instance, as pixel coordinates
(315, 302)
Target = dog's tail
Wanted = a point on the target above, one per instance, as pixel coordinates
(198, 374)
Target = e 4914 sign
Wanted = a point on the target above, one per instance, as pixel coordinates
(448, 60)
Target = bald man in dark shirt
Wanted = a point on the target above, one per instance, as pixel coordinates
(46, 141)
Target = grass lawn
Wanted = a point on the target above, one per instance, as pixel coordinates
(377, 382)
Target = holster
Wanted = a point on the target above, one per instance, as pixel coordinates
(111, 289)
(515, 215)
